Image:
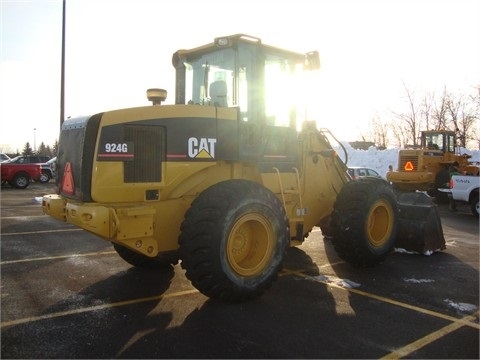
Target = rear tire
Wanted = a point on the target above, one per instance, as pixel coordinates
(474, 205)
(364, 222)
(44, 178)
(233, 240)
(139, 260)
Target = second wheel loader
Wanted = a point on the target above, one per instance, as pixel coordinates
(224, 180)
(428, 167)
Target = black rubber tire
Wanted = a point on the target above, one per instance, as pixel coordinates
(20, 181)
(233, 240)
(142, 261)
(474, 205)
(442, 179)
(44, 178)
(364, 222)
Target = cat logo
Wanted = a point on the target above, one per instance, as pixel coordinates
(203, 148)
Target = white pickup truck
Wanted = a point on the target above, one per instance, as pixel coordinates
(464, 188)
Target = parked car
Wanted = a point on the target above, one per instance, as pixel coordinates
(19, 175)
(30, 159)
(360, 171)
(47, 172)
(51, 167)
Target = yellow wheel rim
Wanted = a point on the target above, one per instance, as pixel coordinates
(250, 244)
(380, 223)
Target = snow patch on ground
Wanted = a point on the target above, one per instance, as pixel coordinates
(345, 283)
(461, 307)
(418, 281)
(404, 251)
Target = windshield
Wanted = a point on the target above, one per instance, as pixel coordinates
(16, 159)
(210, 79)
(282, 100)
(440, 141)
(266, 91)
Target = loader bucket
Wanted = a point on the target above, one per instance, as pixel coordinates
(419, 225)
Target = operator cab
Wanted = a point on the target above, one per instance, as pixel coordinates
(239, 71)
(438, 140)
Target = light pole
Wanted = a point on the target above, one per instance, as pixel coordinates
(34, 139)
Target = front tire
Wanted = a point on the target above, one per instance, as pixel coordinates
(364, 222)
(233, 240)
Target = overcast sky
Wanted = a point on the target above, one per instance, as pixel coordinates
(116, 49)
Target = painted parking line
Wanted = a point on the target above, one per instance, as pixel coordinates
(90, 308)
(95, 308)
(427, 339)
(23, 217)
(40, 232)
(466, 322)
(470, 320)
(456, 323)
(98, 253)
(16, 206)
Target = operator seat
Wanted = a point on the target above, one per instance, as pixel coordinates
(218, 93)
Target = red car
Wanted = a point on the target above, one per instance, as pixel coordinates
(19, 175)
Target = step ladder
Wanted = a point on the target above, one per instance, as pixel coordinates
(295, 220)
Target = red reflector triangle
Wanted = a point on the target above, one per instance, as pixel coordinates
(68, 185)
(408, 166)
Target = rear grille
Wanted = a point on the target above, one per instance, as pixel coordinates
(76, 147)
(149, 152)
(413, 159)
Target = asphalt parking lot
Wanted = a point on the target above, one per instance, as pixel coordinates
(67, 294)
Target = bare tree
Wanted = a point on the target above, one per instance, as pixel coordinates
(447, 112)
(379, 131)
(426, 109)
(464, 115)
(439, 112)
(458, 113)
(399, 134)
(410, 122)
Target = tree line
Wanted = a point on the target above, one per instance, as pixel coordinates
(445, 111)
(43, 150)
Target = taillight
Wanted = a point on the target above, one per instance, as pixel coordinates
(451, 184)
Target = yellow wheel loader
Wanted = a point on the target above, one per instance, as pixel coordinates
(428, 168)
(224, 180)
